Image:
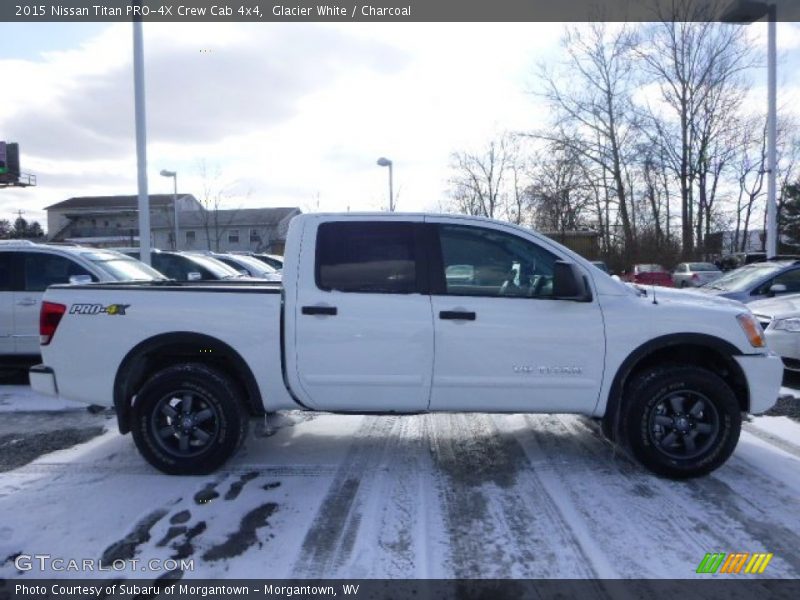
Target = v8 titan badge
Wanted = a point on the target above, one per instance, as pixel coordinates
(97, 309)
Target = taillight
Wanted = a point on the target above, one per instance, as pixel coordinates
(695, 276)
(49, 318)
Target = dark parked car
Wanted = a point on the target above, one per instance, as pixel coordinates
(733, 261)
(188, 267)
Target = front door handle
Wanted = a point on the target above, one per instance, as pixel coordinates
(26, 302)
(457, 315)
(319, 310)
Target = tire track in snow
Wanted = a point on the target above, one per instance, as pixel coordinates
(68, 468)
(730, 499)
(707, 512)
(500, 520)
(612, 501)
(330, 539)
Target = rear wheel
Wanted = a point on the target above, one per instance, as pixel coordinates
(681, 421)
(188, 420)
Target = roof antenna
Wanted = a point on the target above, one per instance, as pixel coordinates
(654, 294)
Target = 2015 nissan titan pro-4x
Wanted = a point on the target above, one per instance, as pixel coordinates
(404, 313)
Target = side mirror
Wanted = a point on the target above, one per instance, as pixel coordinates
(616, 277)
(80, 279)
(193, 276)
(777, 288)
(569, 283)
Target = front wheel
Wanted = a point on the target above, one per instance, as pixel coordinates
(681, 421)
(188, 420)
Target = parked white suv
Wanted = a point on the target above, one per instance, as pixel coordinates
(27, 268)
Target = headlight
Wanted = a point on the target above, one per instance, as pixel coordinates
(792, 324)
(752, 330)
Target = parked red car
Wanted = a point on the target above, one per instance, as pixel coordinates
(649, 274)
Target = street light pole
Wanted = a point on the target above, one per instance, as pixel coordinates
(385, 162)
(174, 175)
(772, 136)
(746, 12)
(141, 141)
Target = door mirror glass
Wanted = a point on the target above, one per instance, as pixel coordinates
(569, 283)
(777, 288)
(193, 276)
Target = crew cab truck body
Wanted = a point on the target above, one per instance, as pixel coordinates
(406, 313)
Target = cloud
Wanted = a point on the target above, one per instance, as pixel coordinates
(197, 90)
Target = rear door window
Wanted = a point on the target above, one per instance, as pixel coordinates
(367, 257)
(8, 280)
(42, 270)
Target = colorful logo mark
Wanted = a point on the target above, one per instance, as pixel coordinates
(734, 562)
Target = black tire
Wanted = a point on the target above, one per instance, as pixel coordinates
(683, 284)
(680, 421)
(188, 420)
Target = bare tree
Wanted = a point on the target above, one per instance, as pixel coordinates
(595, 116)
(696, 67)
(214, 197)
(559, 195)
(478, 178)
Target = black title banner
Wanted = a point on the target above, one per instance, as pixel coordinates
(395, 10)
(170, 587)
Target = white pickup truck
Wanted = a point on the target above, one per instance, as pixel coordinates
(404, 313)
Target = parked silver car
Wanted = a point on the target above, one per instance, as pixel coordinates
(695, 274)
(780, 320)
(249, 265)
(28, 268)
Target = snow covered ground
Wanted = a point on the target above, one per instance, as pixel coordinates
(427, 496)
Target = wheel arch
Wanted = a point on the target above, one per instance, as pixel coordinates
(698, 349)
(163, 350)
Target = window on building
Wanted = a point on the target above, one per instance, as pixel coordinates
(190, 237)
(255, 237)
(233, 236)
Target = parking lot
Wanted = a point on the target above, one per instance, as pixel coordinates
(425, 496)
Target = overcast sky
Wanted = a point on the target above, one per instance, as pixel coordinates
(288, 114)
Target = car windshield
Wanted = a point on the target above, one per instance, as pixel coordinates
(218, 268)
(257, 265)
(702, 267)
(743, 278)
(650, 269)
(122, 267)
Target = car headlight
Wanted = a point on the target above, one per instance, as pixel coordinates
(791, 324)
(751, 328)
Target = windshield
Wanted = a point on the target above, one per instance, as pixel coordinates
(121, 267)
(702, 267)
(217, 268)
(255, 265)
(650, 269)
(743, 278)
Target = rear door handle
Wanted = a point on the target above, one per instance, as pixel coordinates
(319, 310)
(457, 315)
(26, 302)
